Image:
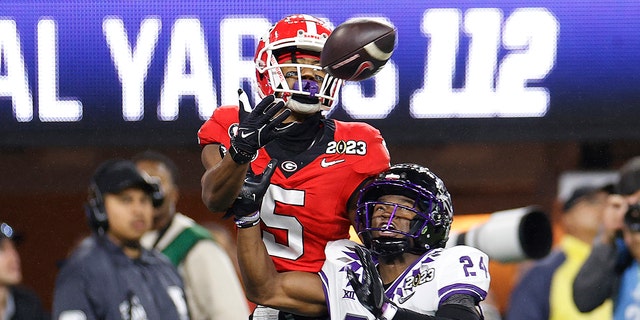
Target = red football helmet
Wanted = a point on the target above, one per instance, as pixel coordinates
(296, 35)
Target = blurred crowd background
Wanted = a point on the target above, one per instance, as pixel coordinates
(42, 190)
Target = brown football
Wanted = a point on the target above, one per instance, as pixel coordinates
(358, 48)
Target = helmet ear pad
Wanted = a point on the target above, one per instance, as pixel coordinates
(432, 236)
(95, 210)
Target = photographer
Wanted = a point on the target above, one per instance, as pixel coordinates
(611, 271)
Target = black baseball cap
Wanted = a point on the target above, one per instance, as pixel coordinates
(113, 176)
(582, 193)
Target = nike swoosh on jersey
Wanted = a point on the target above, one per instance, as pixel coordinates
(404, 299)
(326, 164)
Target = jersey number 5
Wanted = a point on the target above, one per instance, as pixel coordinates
(293, 248)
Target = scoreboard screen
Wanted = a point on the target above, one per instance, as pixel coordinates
(150, 72)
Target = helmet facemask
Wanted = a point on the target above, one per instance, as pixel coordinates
(428, 229)
(292, 39)
(389, 246)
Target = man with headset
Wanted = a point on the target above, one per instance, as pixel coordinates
(211, 284)
(110, 275)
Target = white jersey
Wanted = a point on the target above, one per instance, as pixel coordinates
(434, 277)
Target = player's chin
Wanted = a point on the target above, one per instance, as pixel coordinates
(304, 104)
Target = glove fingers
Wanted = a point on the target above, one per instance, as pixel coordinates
(278, 120)
(353, 279)
(372, 276)
(282, 116)
(269, 170)
(273, 109)
(366, 275)
(363, 293)
(243, 101)
(250, 174)
(260, 108)
(365, 257)
(261, 182)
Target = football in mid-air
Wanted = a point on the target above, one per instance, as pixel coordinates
(358, 48)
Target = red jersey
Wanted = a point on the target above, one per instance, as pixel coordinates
(306, 204)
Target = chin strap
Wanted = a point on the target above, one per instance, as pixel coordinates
(387, 247)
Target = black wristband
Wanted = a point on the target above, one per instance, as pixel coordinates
(239, 156)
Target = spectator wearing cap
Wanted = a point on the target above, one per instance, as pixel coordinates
(212, 286)
(110, 275)
(611, 270)
(16, 301)
(545, 290)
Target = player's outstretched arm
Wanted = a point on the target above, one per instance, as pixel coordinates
(225, 171)
(293, 291)
(222, 179)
